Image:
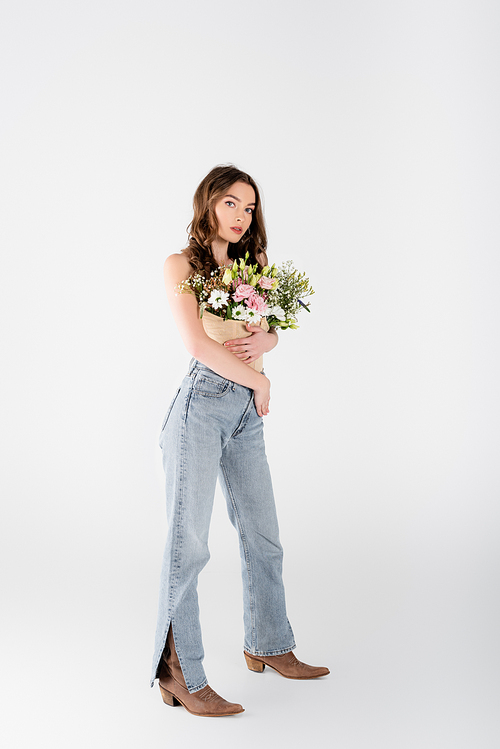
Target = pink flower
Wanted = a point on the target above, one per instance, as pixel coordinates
(243, 291)
(266, 283)
(256, 303)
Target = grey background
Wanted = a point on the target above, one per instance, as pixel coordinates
(372, 128)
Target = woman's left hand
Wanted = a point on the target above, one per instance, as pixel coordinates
(252, 348)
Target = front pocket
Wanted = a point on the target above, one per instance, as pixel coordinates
(211, 386)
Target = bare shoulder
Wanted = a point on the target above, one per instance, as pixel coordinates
(177, 267)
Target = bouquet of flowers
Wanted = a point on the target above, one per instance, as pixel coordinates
(247, 293)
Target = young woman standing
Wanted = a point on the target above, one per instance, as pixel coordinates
(214, 429)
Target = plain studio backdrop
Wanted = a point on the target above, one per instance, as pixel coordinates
(372, 128)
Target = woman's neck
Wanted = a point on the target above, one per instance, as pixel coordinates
(219, 251)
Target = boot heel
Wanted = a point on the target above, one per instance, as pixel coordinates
(168, 698)
(254, 665)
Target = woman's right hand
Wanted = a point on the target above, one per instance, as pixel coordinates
(262, 396)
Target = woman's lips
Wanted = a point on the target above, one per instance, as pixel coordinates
(236, 229)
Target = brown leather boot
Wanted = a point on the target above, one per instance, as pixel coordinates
(287, 665)
(173, 688)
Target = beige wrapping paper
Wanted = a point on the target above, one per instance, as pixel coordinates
(227, 330)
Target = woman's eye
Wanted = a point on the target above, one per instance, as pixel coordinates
(249, 210)
(230, 203)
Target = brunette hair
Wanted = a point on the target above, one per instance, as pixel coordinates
(203, 228)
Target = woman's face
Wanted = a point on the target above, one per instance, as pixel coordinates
(234, 211)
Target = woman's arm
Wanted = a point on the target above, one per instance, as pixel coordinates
(187, 318)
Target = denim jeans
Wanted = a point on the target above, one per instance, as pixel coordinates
(212, 430)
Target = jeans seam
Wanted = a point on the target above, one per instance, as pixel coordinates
(189, 688)
(167, 416)
(247, 555)
(177, 533)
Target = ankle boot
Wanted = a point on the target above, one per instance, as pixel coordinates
(287, 665)
(173, 688)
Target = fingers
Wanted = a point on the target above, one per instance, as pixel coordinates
(237, 349)
(264, 410)
(262, 403)
(244, 351)
(236, 342)
(240, 341)
(250, 348)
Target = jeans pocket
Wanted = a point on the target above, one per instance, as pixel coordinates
(210, 385)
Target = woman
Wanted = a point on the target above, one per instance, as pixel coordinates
(214, 429)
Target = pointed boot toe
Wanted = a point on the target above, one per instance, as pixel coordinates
(205, 702)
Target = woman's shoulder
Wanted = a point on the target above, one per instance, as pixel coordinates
(178, 265)
(178, 260)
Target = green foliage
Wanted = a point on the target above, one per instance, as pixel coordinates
(293, 288)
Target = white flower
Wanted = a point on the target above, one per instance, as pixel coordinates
(218, 298)
(253, 316)
(276, 312)
(239, 312)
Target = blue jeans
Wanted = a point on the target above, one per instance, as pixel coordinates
(212, 430)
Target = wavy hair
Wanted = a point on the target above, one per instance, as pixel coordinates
(203, 229)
